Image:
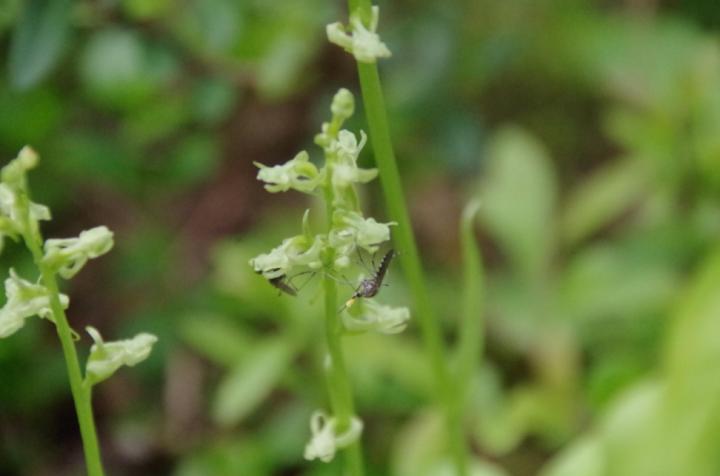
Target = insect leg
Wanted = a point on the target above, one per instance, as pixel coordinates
(368, 270)
(344, 279)
(305, 283)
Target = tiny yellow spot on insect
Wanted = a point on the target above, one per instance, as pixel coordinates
(350, 302)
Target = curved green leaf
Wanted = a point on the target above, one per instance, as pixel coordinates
(519, 194)
(245, 387)
(38, 41)
(471, 330)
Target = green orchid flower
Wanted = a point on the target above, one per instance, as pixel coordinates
(360, 41)
(106, 357)
(325, 440)
(69, 255)
(298, 174)
(370, 316)
(24, 300)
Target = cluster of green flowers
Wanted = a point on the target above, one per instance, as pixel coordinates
(349, 232)
(334, 252)
(19, 219)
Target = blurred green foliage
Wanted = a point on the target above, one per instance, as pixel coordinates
(589, 130)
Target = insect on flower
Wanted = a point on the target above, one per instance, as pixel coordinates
(284, 284)
(369, 287)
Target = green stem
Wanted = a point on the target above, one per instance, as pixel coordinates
(404, 239)
(341, 400)
(81, 393)
(471, 340)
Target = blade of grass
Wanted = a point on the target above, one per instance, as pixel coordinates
(404, 239)
(470, 346)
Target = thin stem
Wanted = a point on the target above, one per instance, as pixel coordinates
(376, 115)
(80, 392)
(341, 400)
(470, 346)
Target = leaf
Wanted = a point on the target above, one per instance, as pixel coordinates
(251, 381)
(471, 338)
(419, 451)
(669, 426)
(418, 444)
(9, 11)
(692, 411)
(632, 433)
(602, 198)
(519, 199)
(38, 41)
(119, 71)
(612, 281)
(584, 457)
(488, 409)
(216, 338)
(401, 363)
(208, 27)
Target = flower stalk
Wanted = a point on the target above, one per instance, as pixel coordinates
(82, 394)
(332, 253)
(19, 218)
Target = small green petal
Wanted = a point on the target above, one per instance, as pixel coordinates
(69, 255)
(297, 252)
(352, 228)
(367, 315)
(106, 357)
(306, 224)
(298, 173)
(343, 105)
(39, 212)
(14, 172)
(325, 441)
(24, 299)
(12, 220)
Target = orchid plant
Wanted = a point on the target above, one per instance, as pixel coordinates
(19, 220)
(332, 253)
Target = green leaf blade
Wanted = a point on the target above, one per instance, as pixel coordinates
(38, 41)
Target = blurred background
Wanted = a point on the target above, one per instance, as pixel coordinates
(590, 130)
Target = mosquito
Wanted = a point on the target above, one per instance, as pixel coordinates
(284, 284)
(281, 284)
(369, 287)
